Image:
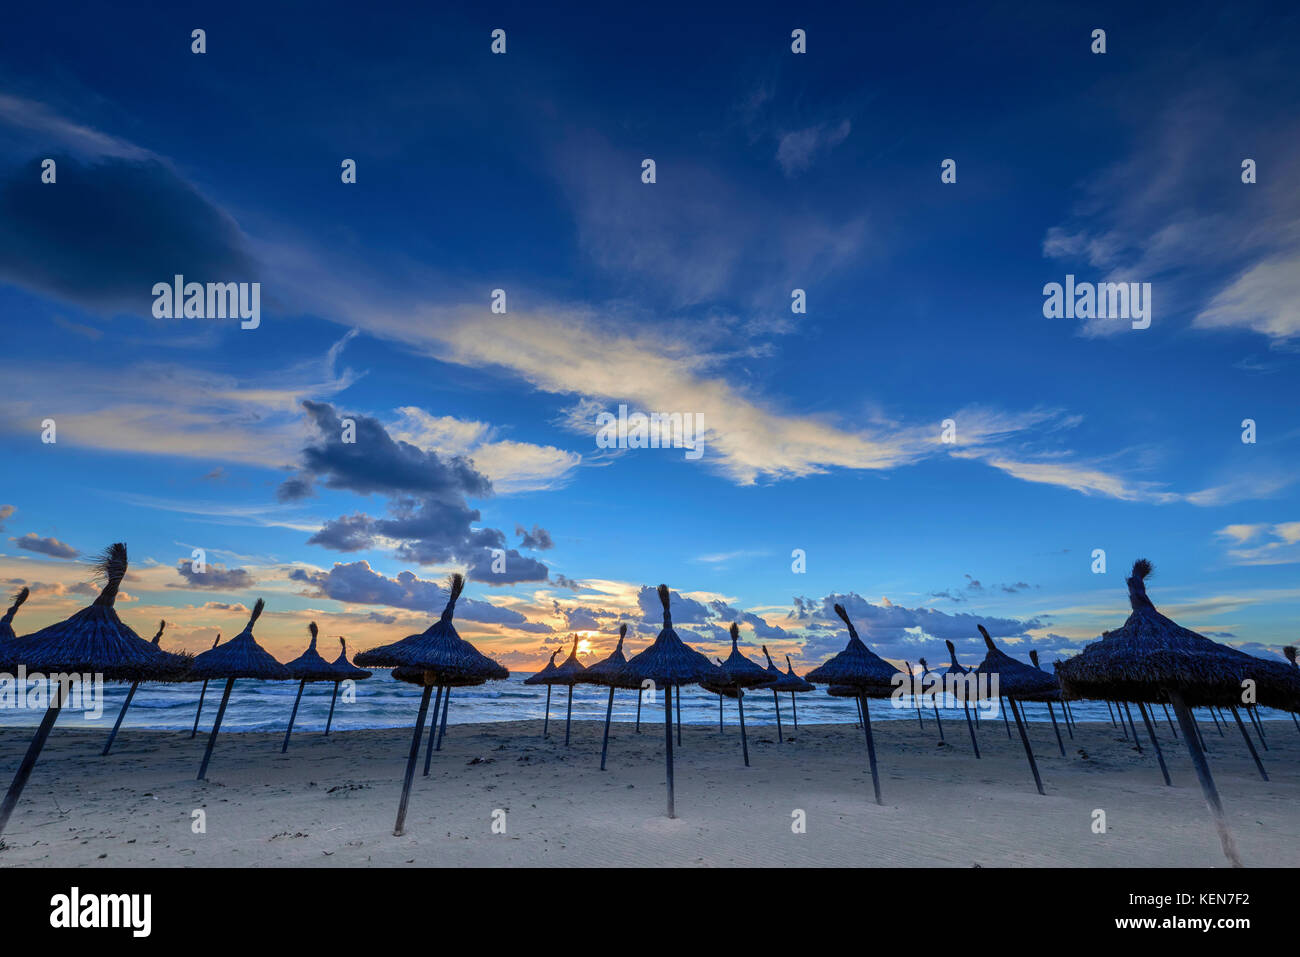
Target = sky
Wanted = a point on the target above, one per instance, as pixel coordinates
(826, 474)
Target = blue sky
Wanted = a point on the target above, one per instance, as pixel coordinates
(775, 171)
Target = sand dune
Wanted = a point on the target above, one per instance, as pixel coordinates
(331, 802)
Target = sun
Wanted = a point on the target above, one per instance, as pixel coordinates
(584, 646)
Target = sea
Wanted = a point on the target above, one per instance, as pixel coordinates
(381, 702)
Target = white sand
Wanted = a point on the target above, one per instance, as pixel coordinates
(331, 802)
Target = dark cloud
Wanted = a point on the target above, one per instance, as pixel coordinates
(45, 546)
(295, 489)
(376, 462)
(762, 630)
(108, 230)
(686, 611)
(213, 577)
(563, 581)
(539, 539)
(429, 515)
(895, 631)
(356, 583)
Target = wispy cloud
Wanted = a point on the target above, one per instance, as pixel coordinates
(1275, 543)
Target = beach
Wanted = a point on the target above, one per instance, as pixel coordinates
(331, 802)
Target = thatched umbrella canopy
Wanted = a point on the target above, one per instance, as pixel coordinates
(569, 673)
(344, 670)
(667, 663)
(860, 668)
(308, 666)
(1016, 680)
(956, 669)
(94, 641)
(543, 677)
(444, 658)
(7, 622)
(1151, 658)
(740, 672)
(130, 694)
(240, 657)
(608, 672)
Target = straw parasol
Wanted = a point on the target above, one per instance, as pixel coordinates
(956, 669)
(7, 622)
(94, 641)
(569, 673)
(203, 692)
(445, 658)
(240, 657)
(1017, 680)
(667, 663)
(779, 681)
(608, 673)
(740, 672)
(543, 677)
(344, 670)
(791, 677)
(1150, 659)
(925, 671)
(108, 745)
(308, 666)
(858, 667)
(722, 691)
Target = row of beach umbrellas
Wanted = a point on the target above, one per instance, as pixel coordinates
(96, 641)
(1150, 660)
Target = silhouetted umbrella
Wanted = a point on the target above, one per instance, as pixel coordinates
(308, 666)
(1151, 658)
(925, 672)
(608, 673)
(543, 677)
(108, 745)
(860, 668)
(7, 622)
(1017, 680)
(94, 641)
(569, 673)
(240, 657)
(445, 658)
(203, 693)
(783, 681)
(344, 670)
(740, 672)
(667, 663)
(794, 689)
(722, 691)
(956, 669)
